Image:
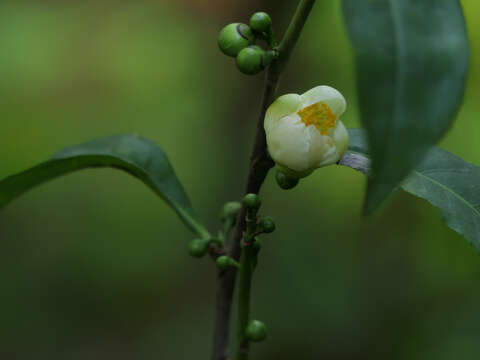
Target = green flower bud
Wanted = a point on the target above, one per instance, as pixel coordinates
(256, 331)
(252, 201)
(261, 22)
(198, 247)
(230, 210)
(284, 181)
(234, 37)
(250, 60)
(266, 225)
(225, 262)
(254, 59)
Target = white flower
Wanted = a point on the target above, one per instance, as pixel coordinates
(304, 131)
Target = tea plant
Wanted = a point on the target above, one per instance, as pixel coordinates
(412, 58)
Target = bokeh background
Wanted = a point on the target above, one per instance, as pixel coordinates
(93, 266)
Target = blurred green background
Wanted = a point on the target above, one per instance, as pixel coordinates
(93, 266)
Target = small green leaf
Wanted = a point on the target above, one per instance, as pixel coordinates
(412, 60)
(446, 181)
(137, 156)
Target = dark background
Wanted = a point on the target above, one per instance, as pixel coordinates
(93, 266)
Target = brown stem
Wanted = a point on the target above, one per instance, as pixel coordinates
(260, 164)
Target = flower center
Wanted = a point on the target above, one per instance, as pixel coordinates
(320, 115)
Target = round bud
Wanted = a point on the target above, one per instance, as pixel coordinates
(261, 22)
(225, 262)
(256, 331)
(198, 247)
(234, 37)
(284, 181)
(230, 210)
(252, 201)
(250, 60)
(266, 225)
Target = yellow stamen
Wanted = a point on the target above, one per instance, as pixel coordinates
(320, 115)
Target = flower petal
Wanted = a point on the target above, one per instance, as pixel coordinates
(320, 146)
(333, 98)
(284, 105)
(340, 141)
(288, 143)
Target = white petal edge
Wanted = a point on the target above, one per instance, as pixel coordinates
(284, 105)
(288, 143)
(340, 138)
(330, 96)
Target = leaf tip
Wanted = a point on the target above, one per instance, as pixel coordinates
(377, 194)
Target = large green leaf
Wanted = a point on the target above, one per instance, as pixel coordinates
(411, 63)
(138, 156)
(445, 180)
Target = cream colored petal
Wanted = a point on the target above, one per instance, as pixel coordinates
(340, 140)
(330, 96)
(319, 145)
(283, 106)
(288, 143)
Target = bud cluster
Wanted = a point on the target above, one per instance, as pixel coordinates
(238, 40)
(264, 225)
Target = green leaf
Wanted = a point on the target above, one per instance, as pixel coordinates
(412, 62)
(446, 181)
(137, 156)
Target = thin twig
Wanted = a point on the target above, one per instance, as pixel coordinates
(260, 164)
